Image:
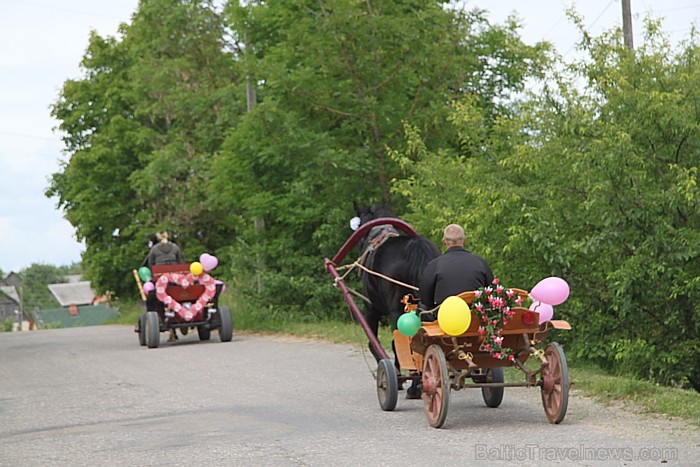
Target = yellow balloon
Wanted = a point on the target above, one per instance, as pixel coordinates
(196, 268)
(454, 316)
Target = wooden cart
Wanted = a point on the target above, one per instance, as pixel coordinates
(205, 318)
(442, 362)
(445, 362)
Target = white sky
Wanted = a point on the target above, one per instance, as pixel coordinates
(43, 41)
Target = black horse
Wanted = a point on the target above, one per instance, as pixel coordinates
(399, 257)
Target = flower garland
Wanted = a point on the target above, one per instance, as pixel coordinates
(493, 306)
(185, 280)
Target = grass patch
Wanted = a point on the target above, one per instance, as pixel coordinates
(334, 331)
(637, 395)
(128, 312)
(644, 396)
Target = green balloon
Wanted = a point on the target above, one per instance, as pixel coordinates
(145, 273)
(408, 324)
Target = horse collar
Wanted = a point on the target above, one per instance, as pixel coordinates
(380, 234)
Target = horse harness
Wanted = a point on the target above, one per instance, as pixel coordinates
(376, 238)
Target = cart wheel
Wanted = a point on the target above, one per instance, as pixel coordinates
(436, 386)
(142, 329)
(387, 385)
(555, 383)
(493, 396)
(204, 333)
(226, 329)
(152, 329)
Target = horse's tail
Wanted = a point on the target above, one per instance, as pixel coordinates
(419, 252)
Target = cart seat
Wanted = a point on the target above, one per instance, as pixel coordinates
(159, 270)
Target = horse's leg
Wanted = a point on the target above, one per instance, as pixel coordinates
(395, 315)
(372, 317)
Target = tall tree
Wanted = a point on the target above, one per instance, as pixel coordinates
(141, 127)
(594, 180)
(336, 80)
(35, 281)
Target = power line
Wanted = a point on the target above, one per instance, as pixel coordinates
(601, 14)
(68, 10)
(12, 153)
(21, 135)
(678, 8)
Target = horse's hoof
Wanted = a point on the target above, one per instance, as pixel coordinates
(413, 393)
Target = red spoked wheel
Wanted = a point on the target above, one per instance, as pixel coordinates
(555, 383)
(436, 386)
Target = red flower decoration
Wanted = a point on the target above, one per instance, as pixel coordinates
(494, 306)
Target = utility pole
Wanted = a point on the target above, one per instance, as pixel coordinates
(21, 307)
(258, 222)
(627, 24)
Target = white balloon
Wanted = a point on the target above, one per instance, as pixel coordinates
(355, 223)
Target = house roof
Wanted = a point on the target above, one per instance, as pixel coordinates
(73, 278)
(73, 293)
(12, 279)
(10, 291)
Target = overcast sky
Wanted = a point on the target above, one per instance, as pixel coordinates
(43, 41)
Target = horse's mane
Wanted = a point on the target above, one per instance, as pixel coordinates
(419, 252)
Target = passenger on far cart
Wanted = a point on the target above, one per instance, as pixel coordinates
(162, 252)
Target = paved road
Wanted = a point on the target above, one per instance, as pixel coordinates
(93, 396)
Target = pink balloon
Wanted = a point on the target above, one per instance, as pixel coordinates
(552, 290)
(545, 310)
(148, 287)
(208, 261)
(223, 285)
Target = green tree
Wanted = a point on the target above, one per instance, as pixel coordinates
(140, 128)
(594, 179)
(35, 281)
(336, 80)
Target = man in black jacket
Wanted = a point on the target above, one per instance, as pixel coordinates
(164, 252)
(452, 273)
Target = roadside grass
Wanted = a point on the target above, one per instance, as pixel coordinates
(638, 395)
(587, 380)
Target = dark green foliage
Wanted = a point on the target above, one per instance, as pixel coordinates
(597, 185)
(337, 82)
(141, 128)
(34, 288)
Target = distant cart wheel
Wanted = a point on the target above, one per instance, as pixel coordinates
(142, 329)
(204, 333)
(555, 383)
(226, 329)
(436, 386)
(493, 396)
(387, 385)
(152, 330)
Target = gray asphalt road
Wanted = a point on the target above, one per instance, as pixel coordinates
(93, 396)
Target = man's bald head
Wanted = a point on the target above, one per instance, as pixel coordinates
(453, 235)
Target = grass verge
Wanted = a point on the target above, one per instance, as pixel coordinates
(641, 396)
(588, 380)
